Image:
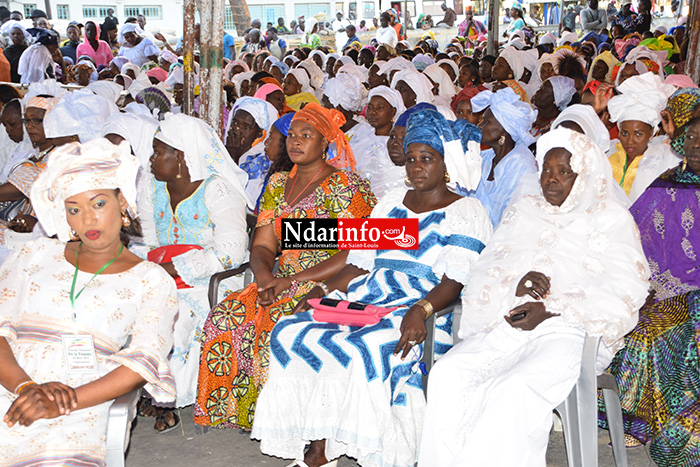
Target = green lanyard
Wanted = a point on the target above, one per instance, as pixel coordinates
(624, 173)
(74, 297)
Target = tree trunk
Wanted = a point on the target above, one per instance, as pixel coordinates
(241, 15)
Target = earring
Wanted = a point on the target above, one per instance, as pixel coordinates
(407, 181)
(179, 170)
(502, 140)
(685, 163)
(510, 75)
(447, 177)
(126, 222)
(74, 237)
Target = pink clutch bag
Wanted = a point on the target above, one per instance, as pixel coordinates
(329, 310)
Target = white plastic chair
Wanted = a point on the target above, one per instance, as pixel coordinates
(579, 413)
(121, 415)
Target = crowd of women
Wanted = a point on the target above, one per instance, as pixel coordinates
(555, 187)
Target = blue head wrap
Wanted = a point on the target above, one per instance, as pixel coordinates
(283, 123)
(403, 118)
(282, 67)
(457, 141)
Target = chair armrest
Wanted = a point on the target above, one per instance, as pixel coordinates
(429, 342)
(220, 276)
(121, 413)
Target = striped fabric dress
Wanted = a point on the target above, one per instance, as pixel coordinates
(344, 384)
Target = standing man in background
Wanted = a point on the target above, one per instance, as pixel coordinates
(593, 19)
(339, 25)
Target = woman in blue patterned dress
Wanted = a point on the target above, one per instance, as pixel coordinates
(357, 391)
(193, 213)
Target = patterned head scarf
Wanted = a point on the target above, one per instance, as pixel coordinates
(46, 103)
(262, 112)
(457, 141)
(233, 64)
(402, 121)
(205, 153)
(684, 106)
(422, 61)
(515, 116)
(76, 168)
(328, 123)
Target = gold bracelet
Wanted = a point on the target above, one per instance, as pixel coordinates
(23, 385)
(324, 287)
(427, 307)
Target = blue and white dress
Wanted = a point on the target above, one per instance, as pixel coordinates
(344, 384)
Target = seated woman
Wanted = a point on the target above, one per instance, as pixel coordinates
(637, 112)
(657, 371)
(298, 89)
(353, 392)
(553, 96)
(564, 263)
(137, 48)
(194, 225)
(504, 73)
(508, 168)
(248, 126)
(236, 338)
(55, 405)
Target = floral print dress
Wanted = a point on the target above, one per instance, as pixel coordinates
(236, 343)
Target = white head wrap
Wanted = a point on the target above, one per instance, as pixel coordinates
(302, 77)
(642, 98)
(320, 54)
(81, 113)
(48, 87)
(564, 89)
(315, 73)
(127, 81)
(262, 112)
(138, 130)
(7, 28)
(76, 168)
(139, 84)
(660, 57)
(291, 58)
(309, 25)
(395, 64)
(514, 115)
(346, 91)
(176, 76)
(392, 96)
(356, 70)
(238, 79)
(585, 117)
(552, 59)
(637, 64)
(107, 89)
(446, 87)
(548, 38)
(205, 153)
(567, 37)
(516, 42)
(419, 84)
(131, 66)
(451, 64)
(516, 61)
(33, 64)
(129, 27)
(345, 60)
(234, 63)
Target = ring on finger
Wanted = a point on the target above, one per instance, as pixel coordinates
(528, 284)
(412, 343)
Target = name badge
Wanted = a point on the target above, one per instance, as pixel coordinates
(79, 351)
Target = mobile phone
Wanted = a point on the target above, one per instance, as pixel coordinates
(518, 316)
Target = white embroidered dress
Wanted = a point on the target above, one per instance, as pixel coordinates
(35, 311)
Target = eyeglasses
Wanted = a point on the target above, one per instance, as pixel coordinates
(33, 121)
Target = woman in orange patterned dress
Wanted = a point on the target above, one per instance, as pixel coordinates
(235, 342)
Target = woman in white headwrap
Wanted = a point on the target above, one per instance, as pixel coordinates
(81, 113)
(310, 38)
(193, 215)
(315, 76)
(298, 89)
(119, 312)
(363, 398)
(554, 95)
(443, 87)
(637, 112)
(582, 118)
(248, 126)
(241, 81)
(413, 86)
(137, 48)
(508, 167)
(564, 263)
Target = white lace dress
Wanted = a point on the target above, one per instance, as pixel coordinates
(35, 311)
(344, 384)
